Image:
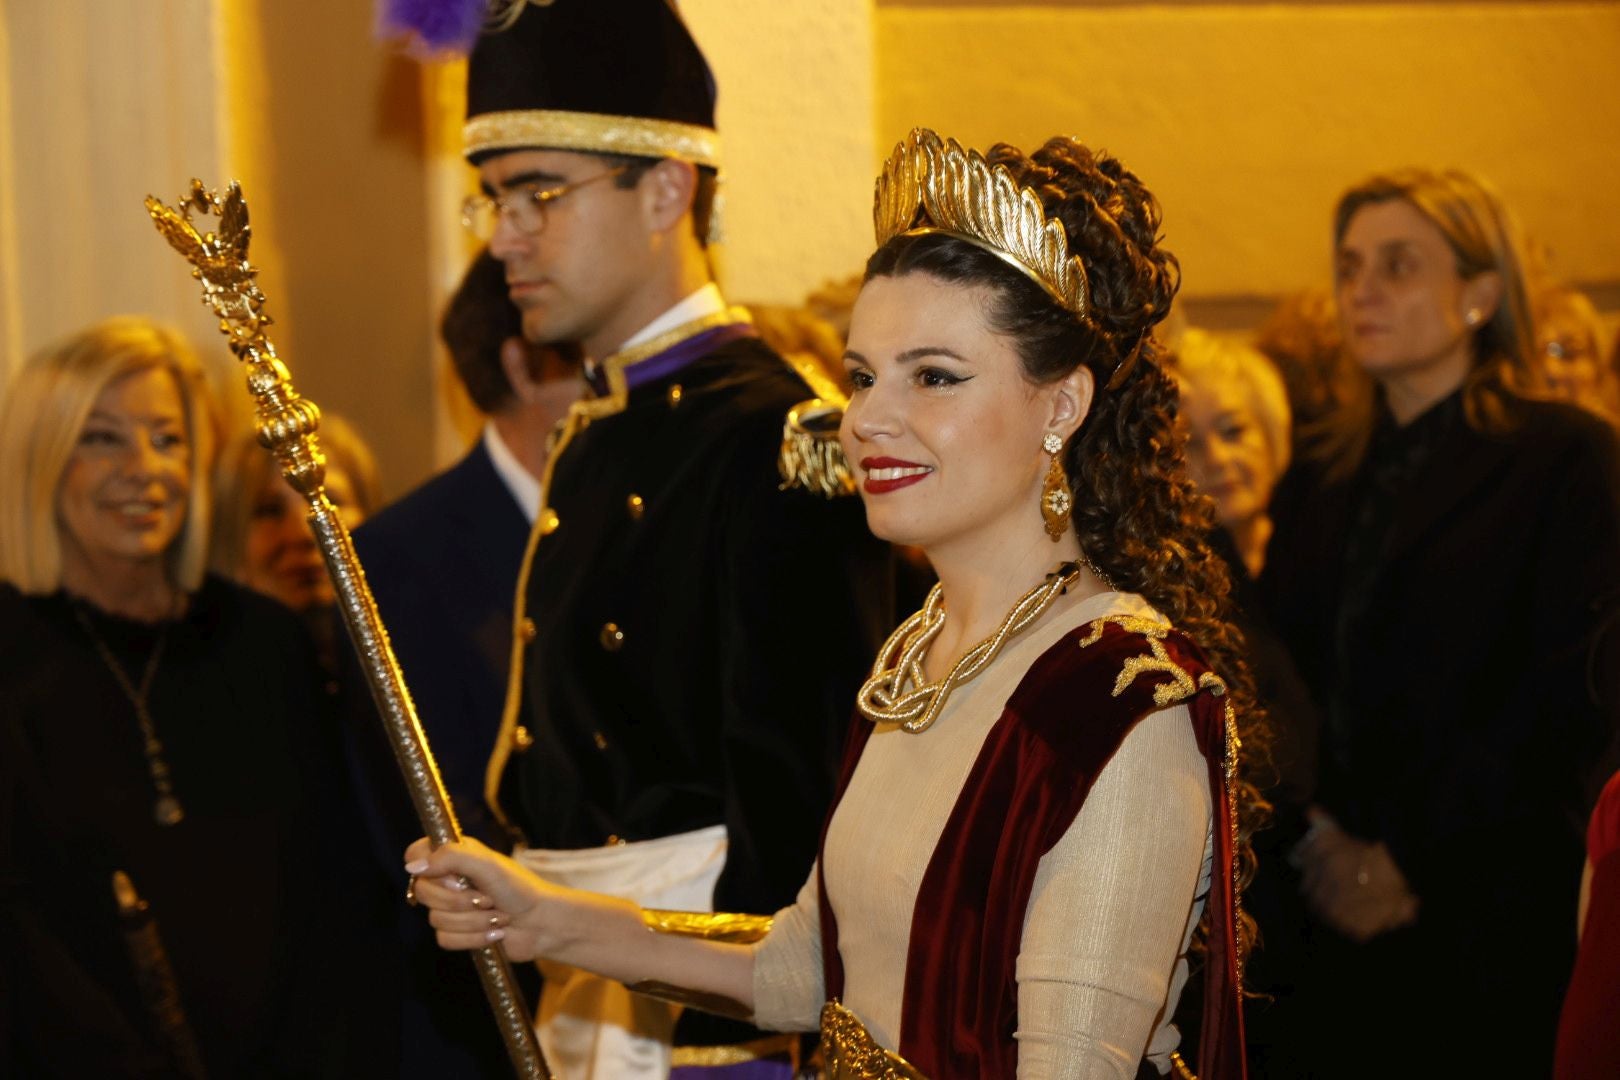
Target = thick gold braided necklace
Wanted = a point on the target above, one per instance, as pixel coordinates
(899, 693)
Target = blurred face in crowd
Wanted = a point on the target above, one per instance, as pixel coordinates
(1228, 454)
(282, 558)
(1571, 355)
(1402, 304)
(127, 485)
(575, 275)
(943, 429)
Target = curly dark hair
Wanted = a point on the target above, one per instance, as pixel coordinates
(1138, 517)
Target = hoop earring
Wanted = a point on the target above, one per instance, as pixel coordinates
(1056, 501)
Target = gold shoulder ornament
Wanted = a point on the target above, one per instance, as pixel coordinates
(811, 457)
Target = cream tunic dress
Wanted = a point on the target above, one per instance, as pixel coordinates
(1102, 959)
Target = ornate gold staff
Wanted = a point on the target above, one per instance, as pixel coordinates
(286, 426)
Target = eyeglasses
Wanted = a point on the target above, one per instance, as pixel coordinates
(524, 206)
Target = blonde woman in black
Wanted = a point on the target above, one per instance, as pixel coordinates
(156, 727)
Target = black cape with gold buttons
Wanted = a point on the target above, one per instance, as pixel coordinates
(698, 635)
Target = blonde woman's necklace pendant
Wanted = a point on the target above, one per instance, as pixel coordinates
(167, 811)
(166, 808)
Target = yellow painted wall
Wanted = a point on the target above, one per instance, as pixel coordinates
(332, 131)
(795, 109)
(1248, 119)
(105, 104)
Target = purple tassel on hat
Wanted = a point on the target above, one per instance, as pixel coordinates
(433, 27)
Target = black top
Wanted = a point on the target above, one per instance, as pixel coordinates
(696, 653)
(1293, 719)
(1396, 457)
(235, 700)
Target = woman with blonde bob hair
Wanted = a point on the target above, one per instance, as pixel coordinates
(41, 418)
(1443, 576)
(154, 721)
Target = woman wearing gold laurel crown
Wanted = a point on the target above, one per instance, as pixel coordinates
(1040, 800)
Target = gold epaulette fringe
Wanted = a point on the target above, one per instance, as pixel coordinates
(811, 457)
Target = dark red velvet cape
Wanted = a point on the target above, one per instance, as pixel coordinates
(1063, 723)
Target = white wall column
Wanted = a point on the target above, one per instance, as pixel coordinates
(796, 116)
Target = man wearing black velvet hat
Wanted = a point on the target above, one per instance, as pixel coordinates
(690, 634)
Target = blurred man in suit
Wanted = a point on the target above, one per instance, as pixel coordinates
(443, 565)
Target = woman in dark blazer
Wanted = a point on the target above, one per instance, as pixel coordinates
(1443, 570)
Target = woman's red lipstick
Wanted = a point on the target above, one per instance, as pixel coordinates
(891, 474)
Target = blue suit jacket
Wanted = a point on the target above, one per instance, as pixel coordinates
(443, 565)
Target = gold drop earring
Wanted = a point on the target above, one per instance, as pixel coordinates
(1056, 501)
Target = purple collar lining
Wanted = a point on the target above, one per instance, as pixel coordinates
(673, 359)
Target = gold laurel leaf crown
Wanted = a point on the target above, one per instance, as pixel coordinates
(956, 192)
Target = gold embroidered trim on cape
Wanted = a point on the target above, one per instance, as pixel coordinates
(1181, 687)
(596, 133)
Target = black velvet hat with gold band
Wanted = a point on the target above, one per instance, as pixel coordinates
(603, 76)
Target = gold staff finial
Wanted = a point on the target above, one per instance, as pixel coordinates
(286, 424)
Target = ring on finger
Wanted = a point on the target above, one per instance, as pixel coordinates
(410, 891)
